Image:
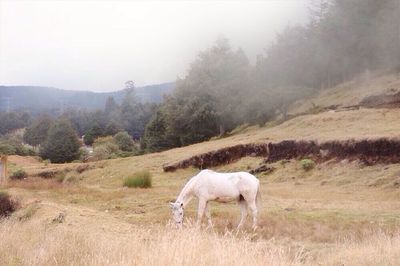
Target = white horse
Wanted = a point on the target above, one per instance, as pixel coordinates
(221, 187)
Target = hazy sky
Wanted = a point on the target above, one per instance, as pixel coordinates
(98, 45)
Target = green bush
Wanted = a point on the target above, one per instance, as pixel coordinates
(62, 143)
(124, 141)
(19, 174)
(307, 164)
(12, 144)
(104, 152)
(139, 179)
(107, 148)
(83, 154)
(6, 148)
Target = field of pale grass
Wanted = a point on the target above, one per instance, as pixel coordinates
(57, 244)
(335, 214)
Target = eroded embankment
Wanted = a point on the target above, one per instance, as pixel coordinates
(369, 152)
(220, 157)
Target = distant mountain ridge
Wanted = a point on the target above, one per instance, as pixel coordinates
(39, 99)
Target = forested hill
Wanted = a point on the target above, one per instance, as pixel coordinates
(37, 99)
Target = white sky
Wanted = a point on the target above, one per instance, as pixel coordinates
(98, 45)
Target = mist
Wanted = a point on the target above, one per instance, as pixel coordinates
(232, 63)
(98, 45)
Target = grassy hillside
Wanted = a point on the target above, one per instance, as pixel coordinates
(340, 212)
(350, 93)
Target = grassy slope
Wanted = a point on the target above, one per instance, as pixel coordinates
(350, 93)
(305, 212)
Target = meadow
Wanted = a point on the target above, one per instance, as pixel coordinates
(334, 214)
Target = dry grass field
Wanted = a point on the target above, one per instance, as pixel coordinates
(335, 214)
(339, 213)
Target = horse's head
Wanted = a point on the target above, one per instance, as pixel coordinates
(177, 212)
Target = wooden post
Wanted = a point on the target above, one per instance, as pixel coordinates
(3, 169)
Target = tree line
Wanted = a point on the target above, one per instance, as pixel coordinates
(223, 90)
(58, 138)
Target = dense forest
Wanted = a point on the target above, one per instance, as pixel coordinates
(223, 90)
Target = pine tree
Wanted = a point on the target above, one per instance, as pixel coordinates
(36, 133)
(62, 144)
(157, 136)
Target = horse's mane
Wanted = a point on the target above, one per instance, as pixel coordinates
(190, 183)
(188, 186)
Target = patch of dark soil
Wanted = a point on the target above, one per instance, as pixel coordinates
(7, 204)
(83, 167)
(49, 174)
(262, 169)
(368, 152)
(290, 149)
(60, 218)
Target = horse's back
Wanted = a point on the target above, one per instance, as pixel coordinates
(235, 183)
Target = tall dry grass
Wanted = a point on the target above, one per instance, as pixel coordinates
(57, 244)
(377, 249)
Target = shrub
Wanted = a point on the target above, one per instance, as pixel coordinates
(101, 153)
(92, 134)
(307, 164)
(6, 148)
(12, 144)
(105, 148)
(28, 151)
(139, 179)
(62, 144)
(19, 174)
(124, 141)
(89, 138)
(84, 154)
(7, 205)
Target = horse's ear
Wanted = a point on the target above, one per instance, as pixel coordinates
(171, 205)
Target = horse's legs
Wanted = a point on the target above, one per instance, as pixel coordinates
(253, 208)
(243, 212)
(208, 215)
(200, 210)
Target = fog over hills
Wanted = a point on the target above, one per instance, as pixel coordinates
(38, 99)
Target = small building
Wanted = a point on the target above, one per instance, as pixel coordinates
(3, 169)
